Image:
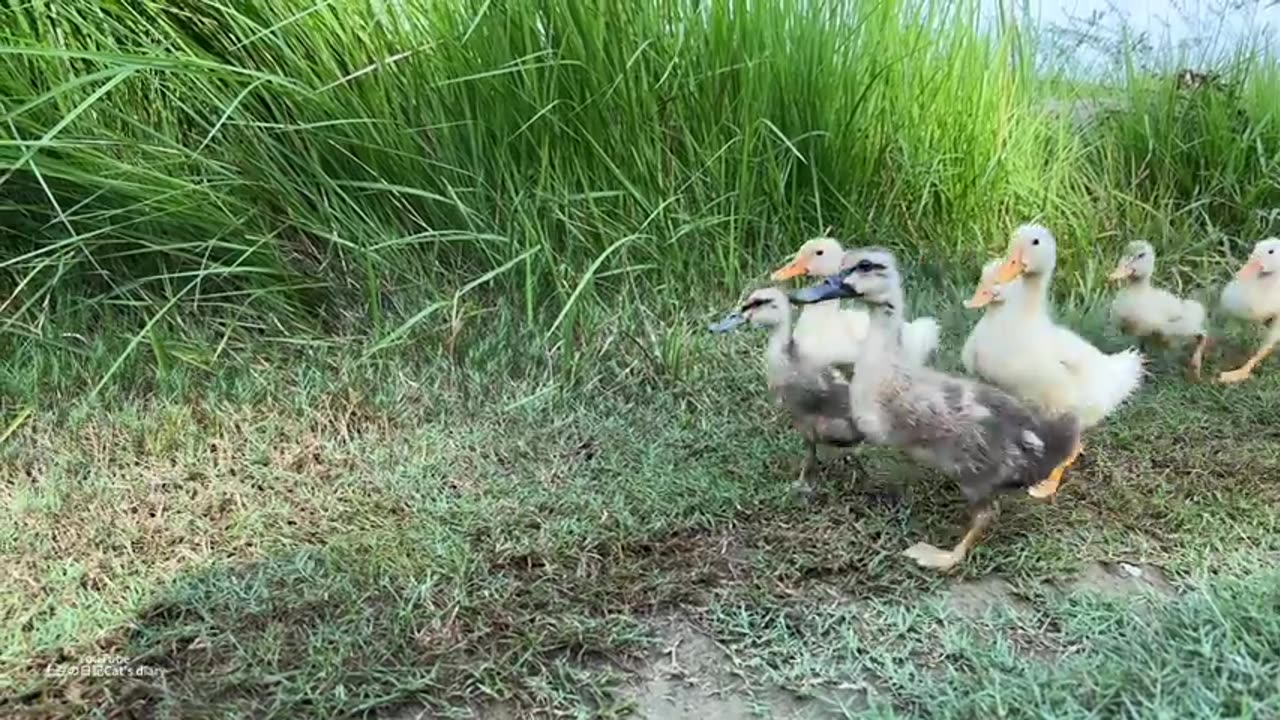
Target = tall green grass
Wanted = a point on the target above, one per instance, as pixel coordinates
(359, 167)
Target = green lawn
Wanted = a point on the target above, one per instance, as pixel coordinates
(313, 535)
(355, 363)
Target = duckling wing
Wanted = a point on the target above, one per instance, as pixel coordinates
(1189, 320)
(819, 405)
(1021, 446)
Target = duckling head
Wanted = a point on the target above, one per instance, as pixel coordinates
(869, 275)
(819, 257)
(1032, 251)
(1263, 261)
(766, 307)
(1138, 262)
(989, 292)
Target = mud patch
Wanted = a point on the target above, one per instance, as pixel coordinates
(693, 677)
(977, 598)
(1121, 579)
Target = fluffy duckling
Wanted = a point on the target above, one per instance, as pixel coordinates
(1254, 295)
(1042, 361)
(1002, 304)
(1145, 311)
(979, 435)
(816, 396)
(825, 332)
(992, 297)
(828, 333)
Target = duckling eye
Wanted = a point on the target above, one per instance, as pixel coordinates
(819, 252)
(866, 266)
(1036, 241)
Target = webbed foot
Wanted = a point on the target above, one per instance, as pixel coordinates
(928, 556)
(1231, 377)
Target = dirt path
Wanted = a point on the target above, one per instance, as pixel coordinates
(690, 676)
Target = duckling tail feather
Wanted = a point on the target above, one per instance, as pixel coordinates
(1118, 377)
(920, 340)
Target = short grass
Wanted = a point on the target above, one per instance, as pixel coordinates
(315, 535)
(354, 355)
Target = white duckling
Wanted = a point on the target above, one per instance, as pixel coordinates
(828, 333)
(992, 297)
(1001, 303)
(815, 395)
(984, 438)
(1254, 295)
(1144, 311)
(1025, 352)
(825, 332)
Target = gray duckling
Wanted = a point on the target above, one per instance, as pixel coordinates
(984, 438)
(816, 397)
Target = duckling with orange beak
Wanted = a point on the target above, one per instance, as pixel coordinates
(1146, 311)
(1254, 295)
(826, 333)
(992, 298)
(1029, 355)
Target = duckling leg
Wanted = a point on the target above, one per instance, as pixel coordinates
(801, 488)
(927, 555)
(1197, 357)
(1049, 486)
(1245, 371)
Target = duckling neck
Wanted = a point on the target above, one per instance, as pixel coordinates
(884, 340)
(782, 350)
(1036, 297)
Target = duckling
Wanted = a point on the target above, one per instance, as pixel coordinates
(991, 296)
(1144, 311)
(1255, 296)
(981, 436)
(1001, 303)
(1040, 361)
(828, 333)
(816, 396)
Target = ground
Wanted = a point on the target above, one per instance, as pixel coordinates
(319, 537)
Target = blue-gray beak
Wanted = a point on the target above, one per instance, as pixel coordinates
(729, 322)
(832, 288)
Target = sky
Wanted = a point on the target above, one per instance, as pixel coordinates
(1166, 22)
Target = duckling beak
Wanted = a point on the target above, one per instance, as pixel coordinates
(1012, 268)
(1251, 269)
(795, 268)
(981, 297)
(728, 322)
(830, 289)
(1123, 272)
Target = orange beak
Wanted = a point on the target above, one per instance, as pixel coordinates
(1012, 268)
(1251, 270)
(795, 268)
(1124, 272)
(981, 297)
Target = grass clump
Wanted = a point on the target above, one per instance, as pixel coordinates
(350, 166)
